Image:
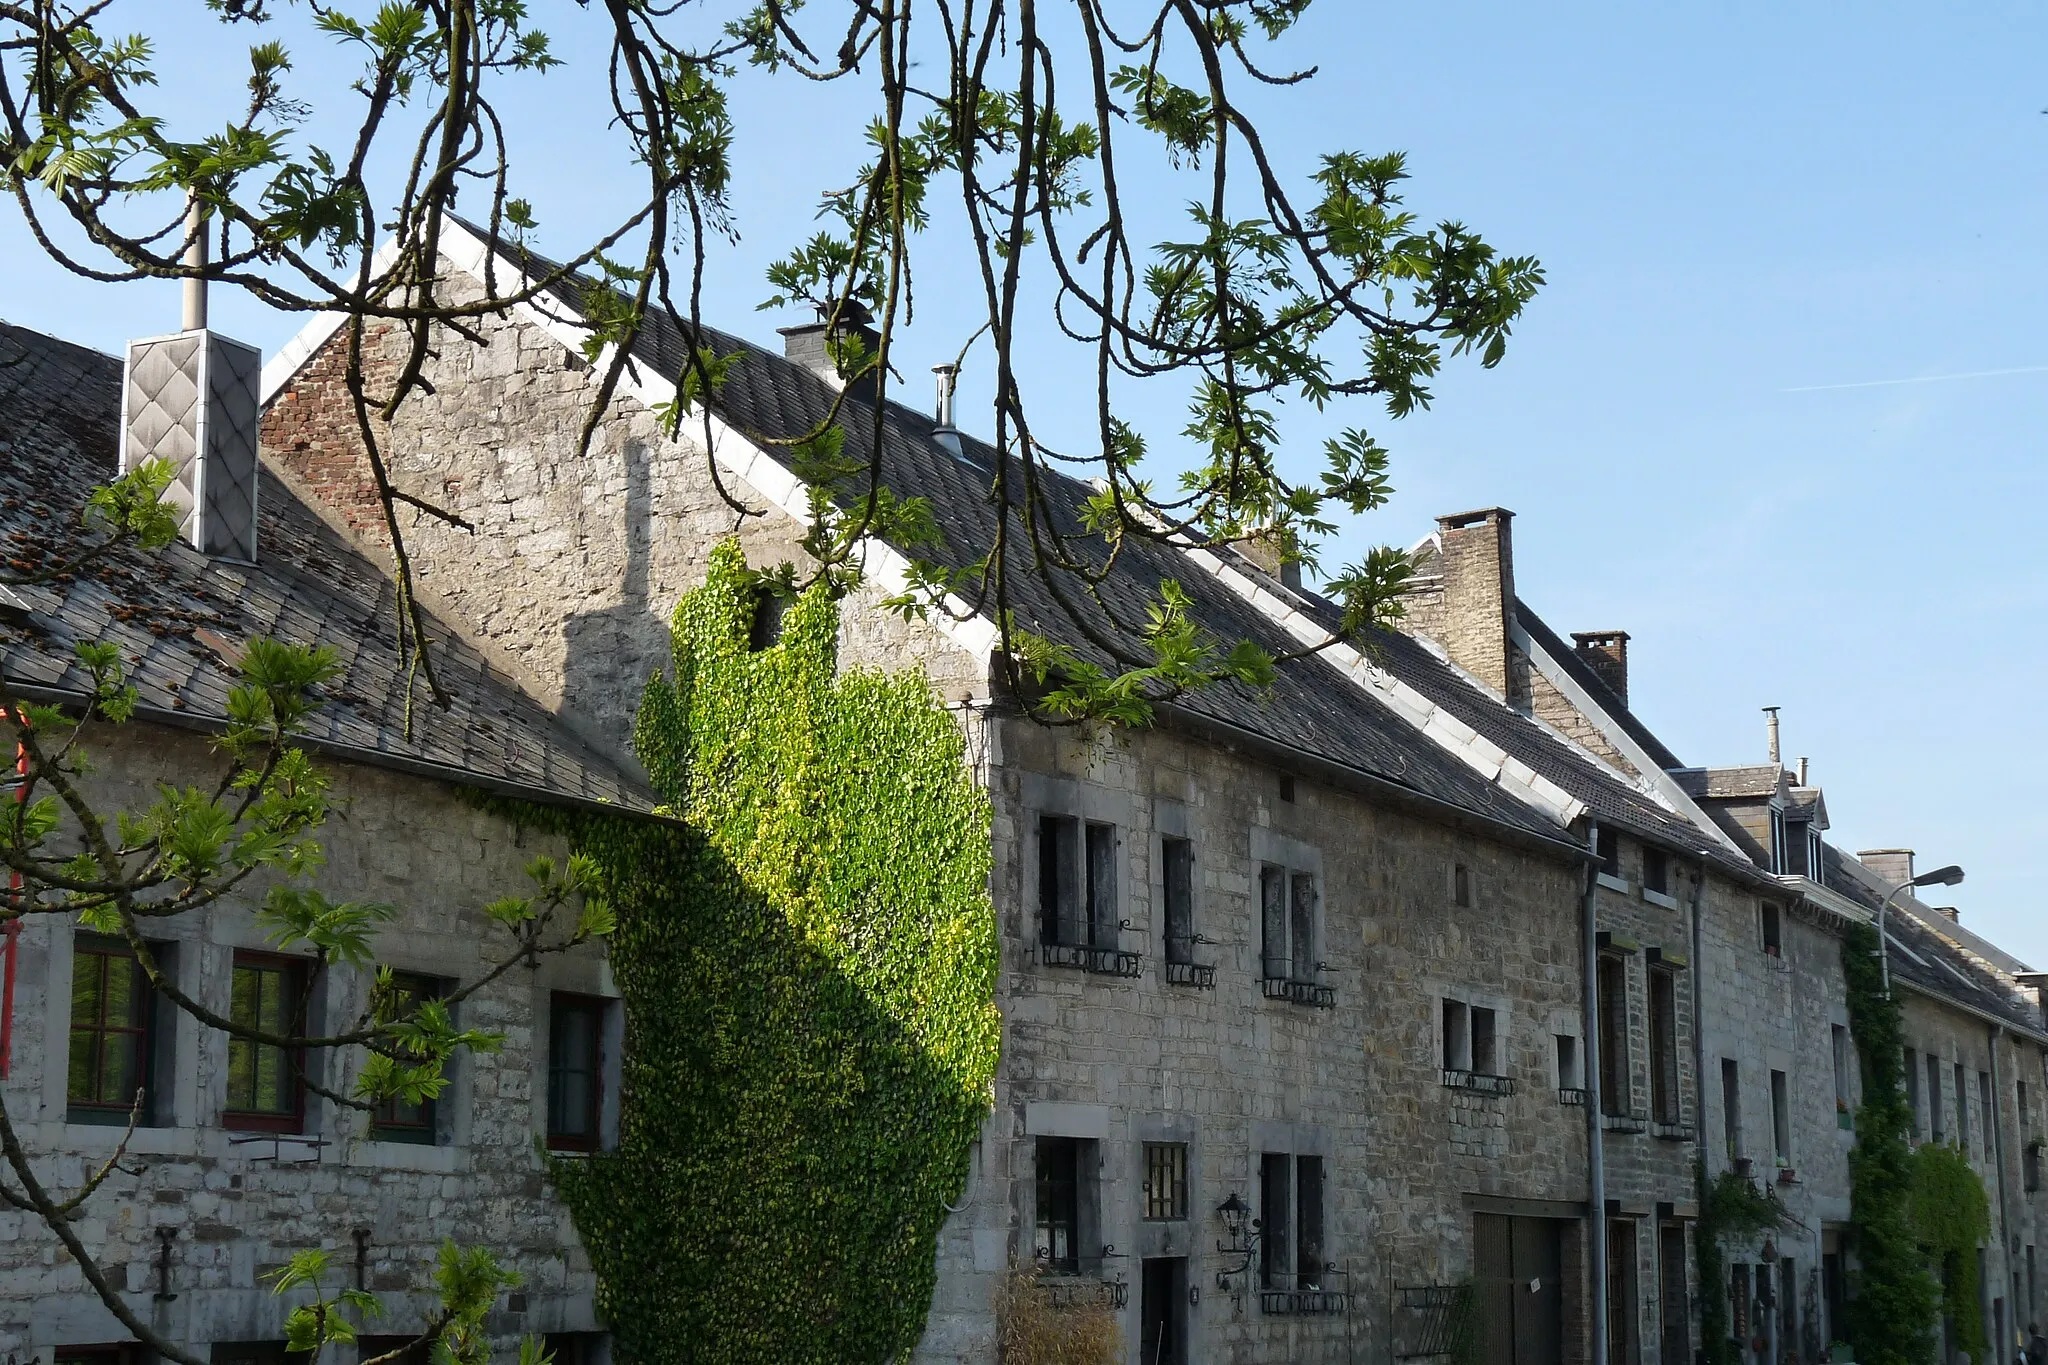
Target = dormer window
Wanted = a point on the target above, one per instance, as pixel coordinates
(1781, 850)
(1815, 867)
(1657, 871)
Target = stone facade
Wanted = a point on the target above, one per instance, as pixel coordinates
(234, 1204)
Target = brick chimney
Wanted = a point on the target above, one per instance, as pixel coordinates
(805, 344)
(192, 398)
(1606, 653)
(1477, 563)
(1894, 865)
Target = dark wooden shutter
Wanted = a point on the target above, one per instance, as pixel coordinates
(1274, 958)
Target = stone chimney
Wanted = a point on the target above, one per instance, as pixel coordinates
(1949, 913)
(1272, 550)
(1894, 865)
(192, 398)
(1477, 563)
(805, 344)
(1606, 653)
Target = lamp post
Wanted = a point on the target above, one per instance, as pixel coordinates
(1941, 876)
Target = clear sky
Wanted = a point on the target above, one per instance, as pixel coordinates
(1778, 412)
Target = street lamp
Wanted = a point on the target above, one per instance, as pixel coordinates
(1941, 876)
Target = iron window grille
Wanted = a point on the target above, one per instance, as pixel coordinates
(1571, 1094)
(266, 1087)
(1166, 1181)
(398, 1119)
(575, 1070)
(111, 1004)
(1309, 993)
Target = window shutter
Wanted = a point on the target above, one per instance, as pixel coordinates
(1273, 921)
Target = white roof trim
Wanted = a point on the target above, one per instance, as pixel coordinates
(766, 476)
(1661, 785)
(1449, 733)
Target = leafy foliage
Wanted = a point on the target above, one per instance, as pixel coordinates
(808, 966)
(1894, 1305)
(1016, 129)
(1952, 1217)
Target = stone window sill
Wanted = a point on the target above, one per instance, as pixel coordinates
(1613, 883)
(1660, 898)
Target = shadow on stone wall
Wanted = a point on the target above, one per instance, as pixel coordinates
(609, 653)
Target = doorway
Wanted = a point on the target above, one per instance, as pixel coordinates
(1162, 1311)
(1518, 1269)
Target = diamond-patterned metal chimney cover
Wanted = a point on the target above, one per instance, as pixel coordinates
(192, 399)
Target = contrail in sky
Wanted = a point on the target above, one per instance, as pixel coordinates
(1918, 379)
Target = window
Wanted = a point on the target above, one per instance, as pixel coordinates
(1291, 1226)
(2020, 1104)
(1674, 1298)
(1781, 856)
(1839, 1039)
(1457, 1036)
(1166, 1181)
(1058, 1186)
(1287, 786)
(398, 1120)
(1936, 1129)
(1912, 1074)
(1731, 1109)
(1781, 1121)
(110, 1036)
(1287, 921)
(1607, 848)
(1657, 871)
(265, 1088)
(1568, 1077)
(1461, 885)
(575, 1071)
(576, 1348)
(1485, 1044)
(2030, 1165)
(1077, 904)
(1984, 1109)
(1962, 1108)
(1799, 841)
(1613, 1010)
(112, 1353)
(765, 629)
(1816, 864)
(1177, 877)
(1772, 923)
(1664, 1047)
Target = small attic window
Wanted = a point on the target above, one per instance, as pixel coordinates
(1771, 922)
(1286, 786)
(1657, 871)
(1607, 848)
(1461, 885)
(766, 630)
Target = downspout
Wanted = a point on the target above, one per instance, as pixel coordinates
(1996, 1118)
(1699, 1064)
(1596, 1156)
(13, 933)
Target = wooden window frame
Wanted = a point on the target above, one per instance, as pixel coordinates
(101, 948)
(597, 1006)
(1166, 1182)
(298, 982)
(426, 1130)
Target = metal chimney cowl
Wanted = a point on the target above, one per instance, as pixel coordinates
(192, 398)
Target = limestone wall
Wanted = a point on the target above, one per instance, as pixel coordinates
(239, 1205)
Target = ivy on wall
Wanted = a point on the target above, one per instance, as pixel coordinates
(808, 969)
(1894, 1300)
(1952, 1217)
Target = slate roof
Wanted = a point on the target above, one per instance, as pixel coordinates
(181, 617)
(1935, 960)
(1311, 709)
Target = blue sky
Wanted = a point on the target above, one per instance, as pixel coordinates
(1753, 218)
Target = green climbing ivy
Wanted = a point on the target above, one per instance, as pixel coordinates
(1952, 1217)
(1731, 1209)
(808, 965)
(1894, 1301)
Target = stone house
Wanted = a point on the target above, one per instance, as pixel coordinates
(236, 1164)
(1432, 960)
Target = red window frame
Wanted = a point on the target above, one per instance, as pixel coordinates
(290, 1120)
(595, 1006)
(98, 952)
